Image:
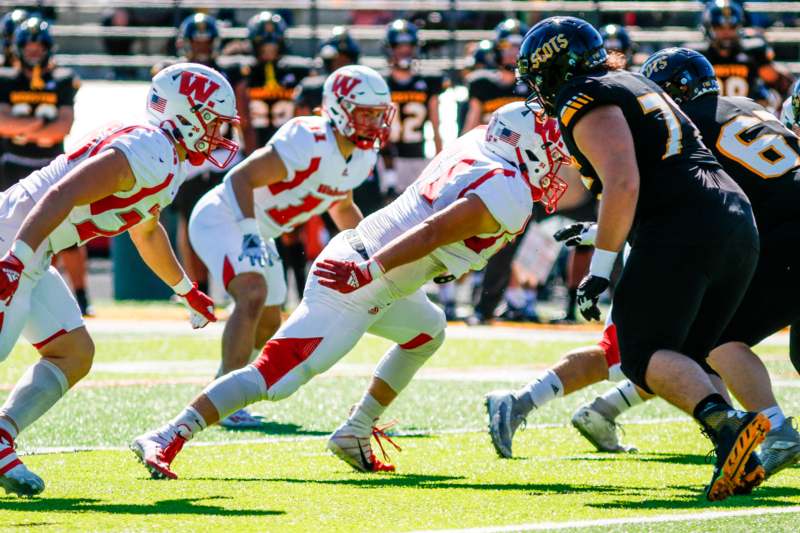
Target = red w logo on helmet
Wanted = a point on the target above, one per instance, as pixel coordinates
(197, 86)
(344, 85)
(547, 128)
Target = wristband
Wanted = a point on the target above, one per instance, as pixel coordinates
(248, 226)
(602, 263)
(22, 251)
(183, 287)
(375, 269)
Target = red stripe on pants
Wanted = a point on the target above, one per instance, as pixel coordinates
(416, 342)
(610, 345)
(281, 356)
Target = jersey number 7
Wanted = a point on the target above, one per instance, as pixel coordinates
(654, 102)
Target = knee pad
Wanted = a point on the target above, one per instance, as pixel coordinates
(402, 362)
(237, 390)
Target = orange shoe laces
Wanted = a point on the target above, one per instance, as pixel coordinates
(379, 432)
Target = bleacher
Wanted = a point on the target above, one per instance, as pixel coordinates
(80, 33)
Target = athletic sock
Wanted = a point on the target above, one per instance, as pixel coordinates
(9, 428)
(366, 412)
(617, 400)
(189, 422)
(572, 302)
(42, 385)
(711, 411)
(775, 415)
(537, 393)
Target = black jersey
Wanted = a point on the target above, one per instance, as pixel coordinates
(738, 71)
(488, 88)
(674, 198)
(756, 150)
(411, 98)
(309, 93)
(29, 97)
(271, 87)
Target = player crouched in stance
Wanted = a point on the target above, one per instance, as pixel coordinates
(118, 181)
(472, 199)
(311, 165)
(690, 227)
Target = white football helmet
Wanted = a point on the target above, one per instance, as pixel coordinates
(193, 102)
(357, 100)
(526, 137)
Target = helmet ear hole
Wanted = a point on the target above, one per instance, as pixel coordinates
(531, 155)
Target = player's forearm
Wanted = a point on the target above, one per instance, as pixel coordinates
(243, 191)
(45, 216)
(53, 132)
(346, 215)
(411, 246)
(616, 213)
(156, 252)
(13, 126)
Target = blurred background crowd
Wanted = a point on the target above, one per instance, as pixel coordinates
(449, 64)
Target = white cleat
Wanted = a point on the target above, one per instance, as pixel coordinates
(15, 476)
(502, 422)
(781, 448)
(356, 450)
(599, 430)
(156, 451)
(242, 419)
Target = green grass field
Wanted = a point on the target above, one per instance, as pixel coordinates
(282, 478)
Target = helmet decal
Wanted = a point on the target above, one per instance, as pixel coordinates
(196, 86)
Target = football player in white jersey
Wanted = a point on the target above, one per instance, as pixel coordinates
(310, 166)
(117, 181)
(471, 200)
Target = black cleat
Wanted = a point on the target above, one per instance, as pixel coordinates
(737, 470)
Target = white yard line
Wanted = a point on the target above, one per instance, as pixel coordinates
(606, 522)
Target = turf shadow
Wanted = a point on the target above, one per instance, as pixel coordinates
(424, 481)
(692, 497)
(182, 506)
(276, 428)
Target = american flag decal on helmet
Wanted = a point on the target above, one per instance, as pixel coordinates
(157, 103)
(508, 136)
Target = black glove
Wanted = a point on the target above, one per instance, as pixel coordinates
(589, 292)
(580, 233)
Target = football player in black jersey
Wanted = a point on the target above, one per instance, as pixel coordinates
(8, 25)
(744, 64)
(694, 243)
(491, 88)
(36, 113)
(763, 157)
(273, 77)
(416, 98)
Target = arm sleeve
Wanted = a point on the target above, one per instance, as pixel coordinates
(149, 153)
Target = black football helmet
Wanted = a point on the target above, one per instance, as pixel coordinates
(33, 29)
(483, 56)
(553, 52)
(339, 43)
(401, 31)
(265, 28)
(9, 24)
(723, 13)
(508, 33)
(616, 38)
(198, 28)
(683, 74)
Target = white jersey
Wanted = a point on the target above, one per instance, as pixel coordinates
(154, 162)
(317, 176)
(461, 169)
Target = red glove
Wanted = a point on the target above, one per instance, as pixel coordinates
(10, 272)
(347, 276)
(201, 307)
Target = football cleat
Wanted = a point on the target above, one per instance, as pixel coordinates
(599, 430)
(736, 438)
(14, 475)
(356, 450)
(242, 419)
(156, 451)
(781, 448)
(502, 422)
